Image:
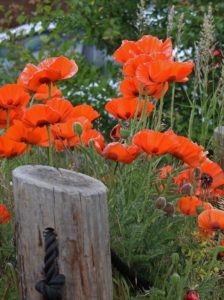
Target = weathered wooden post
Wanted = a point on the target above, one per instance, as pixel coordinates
(75, 206)
(219, 144)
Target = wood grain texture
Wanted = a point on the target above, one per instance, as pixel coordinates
(75, 206)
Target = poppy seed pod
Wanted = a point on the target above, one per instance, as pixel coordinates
(169, 209)
(192, 295)
(78, 129)
(186, 189)
(160, 202)
(175, 278)
(124, 132)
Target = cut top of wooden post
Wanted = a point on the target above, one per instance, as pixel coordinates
(59, 179)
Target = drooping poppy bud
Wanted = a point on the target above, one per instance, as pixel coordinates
(192, 295)
(160, 202)
(186, 189)
(78, 129)
(125, 133)
(175, 278)
(169, 209)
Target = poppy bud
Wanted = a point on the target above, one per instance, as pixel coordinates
(124, 132)
(78, 129)
(169, 209)
(160, 202)
(175, 258)
(186, 189)
(175, 278)
(115, 132)
(192, 295)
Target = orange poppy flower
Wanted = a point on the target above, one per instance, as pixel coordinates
(165, 171)
(125, 108)
(94, 136)
(66, 130)
(120, 152)
(211, 220)
(13, 115)
(9, 148)
(188, 205)
(115, 133)
(4, 214)
(185, 176)
(42, 92)
(154, 143)
(26, 74)
(40, 115)
(130, 67)
(85, 110)
(190, 153)
(13, 96)
(49, 70)
(148, 44)
(62, 107)
(218, 193)
(130, 87)
(127, 50)
(32, 136)
(221, 243)
(160, 71)
(212, 175)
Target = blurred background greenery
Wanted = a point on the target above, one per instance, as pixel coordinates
(79, 29)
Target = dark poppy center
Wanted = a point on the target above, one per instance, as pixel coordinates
(155, 150)
(135, 93)
(42, 123)
(127, 115)
(206, 181)
(10, 102)
(215, 226)
(44, 80)
(23, 140)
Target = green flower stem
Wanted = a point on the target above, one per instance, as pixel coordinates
(27, 155)
(191, 121)
(50, 152)
(144, 111)
(158, 126)
(49, 91)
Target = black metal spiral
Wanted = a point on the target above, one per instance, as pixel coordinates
(52, 287)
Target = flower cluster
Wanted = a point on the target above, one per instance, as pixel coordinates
(48, 123)
(33, 112)
(148, 66)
